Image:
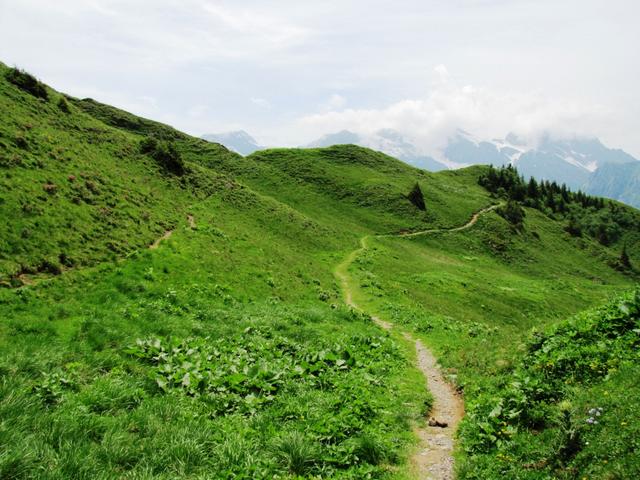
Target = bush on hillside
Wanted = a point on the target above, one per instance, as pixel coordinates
(148, 145)
(513, 213)
(165, 153)
(624, 262)
(27, 82)
(562, 364)
(573, 228)
(63, 105)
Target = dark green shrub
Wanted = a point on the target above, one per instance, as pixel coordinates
(50, 266)
(148, 145)
(168, 156)
(21, 141)
(513, 213)
(573, 228)
(415, 196)
(10, 161)
(624, 262)
(63, 105)
(165, 153)
(27, 82)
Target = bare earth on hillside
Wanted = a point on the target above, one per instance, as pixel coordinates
(156, 243)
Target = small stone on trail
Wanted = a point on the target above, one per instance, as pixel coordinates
(437, 423)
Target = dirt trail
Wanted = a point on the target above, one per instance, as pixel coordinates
(167, 234)
(472, 221)
(434, 458)
(157, 241)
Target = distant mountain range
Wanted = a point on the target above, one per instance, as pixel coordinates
(239, 141)
(580, 163)
(388, 141)
(570, 161)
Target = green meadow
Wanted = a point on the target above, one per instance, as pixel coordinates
(227, 351)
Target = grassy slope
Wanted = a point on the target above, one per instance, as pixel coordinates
(566, 408)
(270, 229)
(362, 190)
(472, 295)
(76, 190)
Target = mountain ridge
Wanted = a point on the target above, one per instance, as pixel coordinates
(571, 161)
(238, 140)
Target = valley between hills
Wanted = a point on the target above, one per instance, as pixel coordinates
(291, 304)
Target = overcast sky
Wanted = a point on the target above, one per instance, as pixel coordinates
(288, 71)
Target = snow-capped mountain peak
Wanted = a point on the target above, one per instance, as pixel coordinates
(239, 141)
(388, 141)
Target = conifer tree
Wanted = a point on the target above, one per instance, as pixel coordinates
(415, 196)
(532, 189)
(625, 261)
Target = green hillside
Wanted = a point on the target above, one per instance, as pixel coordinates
(79, 191)
(226, 350)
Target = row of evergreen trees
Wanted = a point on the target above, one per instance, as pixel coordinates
(585, 214)
(506, 182)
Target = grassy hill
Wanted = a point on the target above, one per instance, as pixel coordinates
(79, 191)
(226, 351)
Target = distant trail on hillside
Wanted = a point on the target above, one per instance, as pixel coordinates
(434, 459)
(167, 234)
(28, 281)
(164, 236)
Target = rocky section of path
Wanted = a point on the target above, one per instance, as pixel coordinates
(434, 459)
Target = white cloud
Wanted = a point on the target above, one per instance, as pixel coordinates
(157, 35)
(261, 102)
(500, 65)
(442, 72)
(270, 30)
(198, 112)
(430, 120)
(334, 102)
